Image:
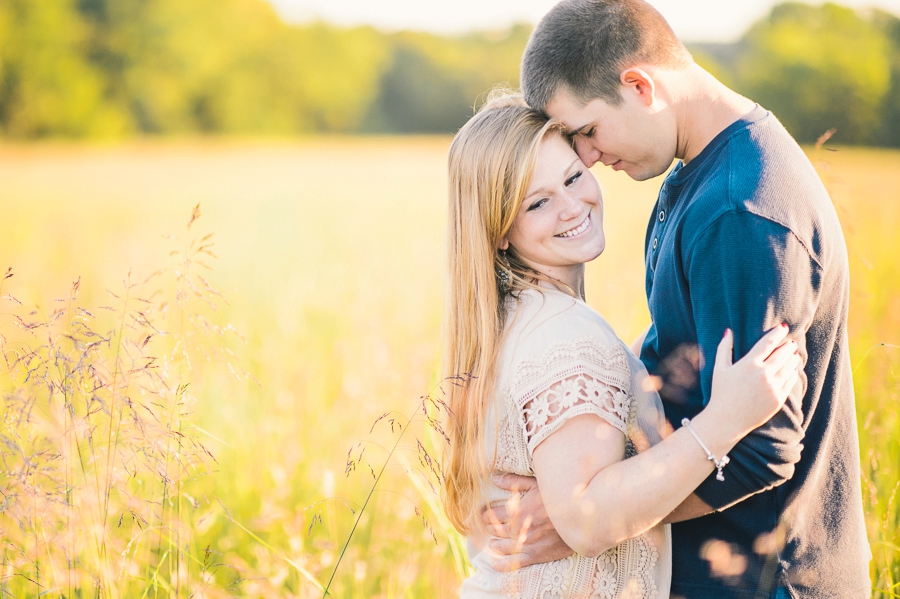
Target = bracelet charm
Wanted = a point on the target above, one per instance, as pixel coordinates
(719, 464)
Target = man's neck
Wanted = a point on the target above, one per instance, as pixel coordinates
(704, 107)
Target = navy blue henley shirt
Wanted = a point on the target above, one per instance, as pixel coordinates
(745, 237)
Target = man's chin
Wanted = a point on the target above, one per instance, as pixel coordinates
(643, 173)
(638, 175)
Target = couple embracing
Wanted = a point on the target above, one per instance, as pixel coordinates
(580, 467)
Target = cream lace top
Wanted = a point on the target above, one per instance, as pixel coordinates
(560, 359)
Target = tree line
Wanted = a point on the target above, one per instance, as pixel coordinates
(117, 68)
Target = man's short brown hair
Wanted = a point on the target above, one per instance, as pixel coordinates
(582, 46)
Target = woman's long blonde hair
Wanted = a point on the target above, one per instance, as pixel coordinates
(491, 163)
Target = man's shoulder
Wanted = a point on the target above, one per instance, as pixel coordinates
(757, 167)
(760, 172)
(765, 163)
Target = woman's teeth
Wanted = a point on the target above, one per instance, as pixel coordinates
(577, 230)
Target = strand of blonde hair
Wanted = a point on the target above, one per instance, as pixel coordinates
(491, 162)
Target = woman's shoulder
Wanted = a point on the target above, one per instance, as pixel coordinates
(540, 318)
(552, 334)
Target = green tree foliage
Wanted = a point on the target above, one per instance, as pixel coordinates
(232, 66)
(112, 67)
(433, 83)
(889, 133)
(815, 65)
(816, 68)
(46, 88)
(417, 95)
(101, 68)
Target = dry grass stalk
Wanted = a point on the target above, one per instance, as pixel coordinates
(97, 440)
(427, 477)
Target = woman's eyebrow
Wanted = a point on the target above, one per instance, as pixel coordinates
(536, 192)
(541, 190)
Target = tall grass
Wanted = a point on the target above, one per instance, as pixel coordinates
(98, 436)
(864, 187)
(330, 258)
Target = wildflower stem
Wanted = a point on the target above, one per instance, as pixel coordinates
(365, 503)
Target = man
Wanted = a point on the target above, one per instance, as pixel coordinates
(743, 236)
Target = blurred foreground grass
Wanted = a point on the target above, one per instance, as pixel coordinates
(330, 259)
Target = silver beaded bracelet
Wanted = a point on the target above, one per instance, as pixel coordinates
(709, 455)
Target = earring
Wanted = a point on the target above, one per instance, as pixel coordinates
(504, 273)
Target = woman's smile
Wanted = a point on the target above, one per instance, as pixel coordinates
(576, 231)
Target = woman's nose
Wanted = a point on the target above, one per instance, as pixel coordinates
(571, 208)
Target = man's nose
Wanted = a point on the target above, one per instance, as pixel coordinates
(586, 151)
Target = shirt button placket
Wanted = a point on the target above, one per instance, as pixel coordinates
(662, 219)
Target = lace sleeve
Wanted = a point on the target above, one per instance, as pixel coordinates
(573, 379)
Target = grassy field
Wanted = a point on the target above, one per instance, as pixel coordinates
(329, 263)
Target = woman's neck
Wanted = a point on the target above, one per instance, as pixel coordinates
(564, 280)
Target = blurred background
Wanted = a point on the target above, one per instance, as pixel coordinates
(313, 135)
(114, 69)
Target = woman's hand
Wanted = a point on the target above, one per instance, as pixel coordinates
(747, 394)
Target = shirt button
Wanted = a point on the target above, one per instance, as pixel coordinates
(655, 242)
(662, 216)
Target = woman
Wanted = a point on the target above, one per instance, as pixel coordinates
(552, 392)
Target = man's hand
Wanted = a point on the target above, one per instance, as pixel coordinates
(523, 532)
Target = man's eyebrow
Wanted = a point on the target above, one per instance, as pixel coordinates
(579, 129)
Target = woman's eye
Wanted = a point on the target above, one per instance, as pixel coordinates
(537, 204)
(589, 132)
(573, 178)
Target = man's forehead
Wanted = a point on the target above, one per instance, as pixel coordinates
(573, 114)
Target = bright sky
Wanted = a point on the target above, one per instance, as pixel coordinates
(692, 20)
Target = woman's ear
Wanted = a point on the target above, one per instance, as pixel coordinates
(503, 245)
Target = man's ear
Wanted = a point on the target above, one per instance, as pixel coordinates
(638, 82)
(503, 245)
